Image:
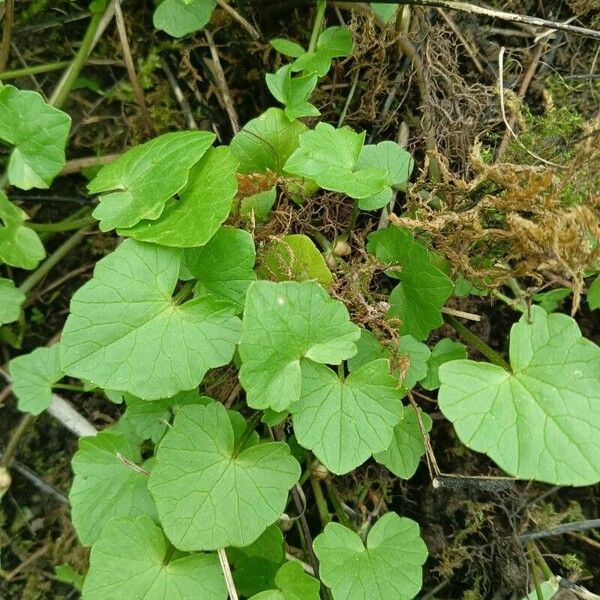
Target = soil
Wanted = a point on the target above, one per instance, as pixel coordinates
(471, 528)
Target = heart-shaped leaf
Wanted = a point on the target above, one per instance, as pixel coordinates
(283, 323)
(180, 17)
(138, 184)
(11, 300)
(210, 494)
(444, 351)
(126, 332)
(343, 423)
(132, 559)
(292, 584)
(389, 566)
(106, 484)
(38, 133)
(542, 421)
(33, 376)
(20, 246)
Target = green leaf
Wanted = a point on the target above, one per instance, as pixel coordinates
(19, 246)
(151, 419)
(203, 205)
(224, 267)
(287, 47)
(541, 421)
(268, 546)
(332, 43)
(11, 300)
(132, 559)
(293, 92)
(593, 294)
(65, 573)
(258, 206)
(33, 376)
(104, 486)
(292, 584)
(297, 258)
(552, 300)
(344, 423)
(444, 351)
(386, 12)
(265, 143)
(283, 323)
(180, 17)
(126, 332)
(423, 289)
(408, 358)
(138, 184)
(208, 495)
(329, 156)
(402, 456)
(38, 133)
(398, 164)
(389, 566)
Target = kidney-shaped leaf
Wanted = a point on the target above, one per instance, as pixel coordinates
(292, 584)
(131, 560)
(284, 322)
(202, 206)
(329, 157)
(137, 185)
(389, 566)
(20, 246)
(105, 486)
(33, 375)
(423, 289)
(343, 423)
(210, 495)
(126, 332)
(180, 17)
(11, 300)
(38, 133)
(542, 421)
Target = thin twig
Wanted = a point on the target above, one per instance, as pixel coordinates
(9, 21)
(78, 164)
(15, 438)
(219, 75)
(461, 314)
(185, 105)
(227, 574)
(243, 22)
(133, 78)
(561, 529)
(458, 33)
(492, 13)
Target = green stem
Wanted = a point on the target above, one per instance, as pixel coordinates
(321, 4)
(468, 336)
(337, 506)
(349, 98)
(66, 225)
(35, 70)
(514, 303)
(183, 293)
(539, 560)
(69, 387)
(320, 500)
(63, 89)
(15, 438)
(52, 261)
(9, 21)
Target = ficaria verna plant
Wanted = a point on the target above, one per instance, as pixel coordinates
(183, 490)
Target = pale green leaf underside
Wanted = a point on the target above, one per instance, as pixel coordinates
(38, 133)
(104, 486)
(126, 333)
(201, 208)
(129, 561)
(224, 267)
(180, 17)
(292, 584)
(329, 157)
(389, 566)
(344, 423)
(20, 246)
(206, 496)
(542, 421)
(265, 143)
(295, 257)
(11, 300)
(423, 289)
(283, 323)
(402, 456)
(137, 185)
(33, 376)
